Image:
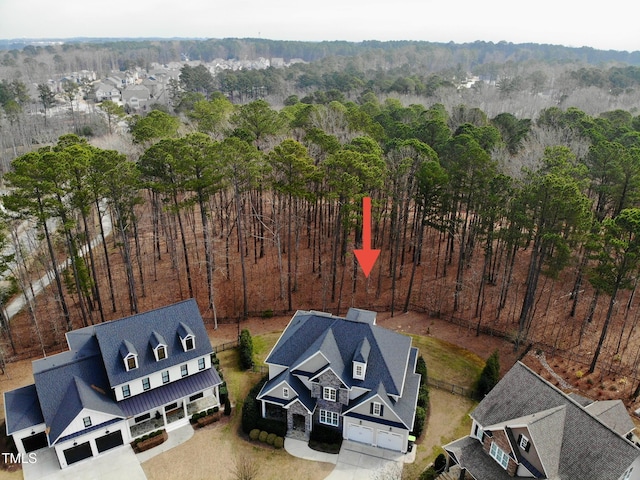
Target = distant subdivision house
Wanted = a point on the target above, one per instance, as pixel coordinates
(343, 373)
(527, 428)
(119, 380)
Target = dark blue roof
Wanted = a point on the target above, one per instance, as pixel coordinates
(302, 392)
(65, 389)
(170, 392)
(22, 409)
(146, 330)
(340, 341)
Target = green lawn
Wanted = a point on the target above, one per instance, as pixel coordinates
(449, 362)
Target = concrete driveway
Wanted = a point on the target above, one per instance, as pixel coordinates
(117, 464)
(363, 462)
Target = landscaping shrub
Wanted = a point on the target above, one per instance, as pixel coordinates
(421, 369)
(216, 409)
(246, 350)
(423, 396)
(441, 463)
(278, 442)
(429, 474)
(263, 436)
(254, 434)
(224, 392)
(227, 407)
(250, 408)
(418, 423)
(276, 426)
(267, 313)
(323, 434)
(271, 438)
(489, 376)
(209, 411)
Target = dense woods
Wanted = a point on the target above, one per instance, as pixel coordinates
(519, 215)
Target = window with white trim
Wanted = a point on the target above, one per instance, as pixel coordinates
(285, 392)
(165, 376)
(329, 393)
(184, 370)
(499, 455)
(358, 371)
(376, 409)
(146, 384)
(132, 362)
(201, 363)
(161, 352)
(126, 392)
(329, 418)
(189, 343)
(87, 421)
(627, 474)
(524, 443)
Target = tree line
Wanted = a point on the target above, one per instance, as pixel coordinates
(463, 231)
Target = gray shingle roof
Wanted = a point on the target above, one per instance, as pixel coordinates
(338, 339)
(613, 414)
(146, 329)
(302, 392)
(22, 409)
(589, 447)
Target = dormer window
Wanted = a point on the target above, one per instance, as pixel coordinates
(524, 443)
(161, 352)
(159, 346)
(360, 357)
(129, 355)
(358, 370)
(132, 362)
(187, 337)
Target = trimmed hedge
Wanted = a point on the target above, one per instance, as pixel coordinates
(263, 436)
(254, 434)
(271, 438)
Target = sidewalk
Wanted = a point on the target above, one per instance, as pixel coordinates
(300, 449)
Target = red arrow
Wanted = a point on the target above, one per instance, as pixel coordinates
(366, 255)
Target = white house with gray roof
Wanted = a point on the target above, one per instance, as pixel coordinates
(527, 428)
(343, 373)
(118, 381)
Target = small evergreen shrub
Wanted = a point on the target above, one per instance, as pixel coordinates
(271, 438)
(263, 436)
(227, 407)
(254, 434)
(278, 442)
(246, 350)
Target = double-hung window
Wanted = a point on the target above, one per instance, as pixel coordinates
(329, 393)
(499, 455)
(184, 370)
(329, 418)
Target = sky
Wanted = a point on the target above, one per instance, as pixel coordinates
(611, 25)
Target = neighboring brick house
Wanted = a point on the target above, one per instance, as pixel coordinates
(345, 373)
(527, 428)
(118, 381)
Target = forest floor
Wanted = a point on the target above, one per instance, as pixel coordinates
(554, 332)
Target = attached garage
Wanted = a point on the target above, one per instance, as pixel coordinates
(35, 442)
(390, 440)
(77, 453)
(109, 441)
(359, 433)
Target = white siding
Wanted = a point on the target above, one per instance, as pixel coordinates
(155, 379)
(77, 424)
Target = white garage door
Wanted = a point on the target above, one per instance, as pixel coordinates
(390, 441)
(361, 434)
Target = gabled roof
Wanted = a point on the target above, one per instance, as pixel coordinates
(588, 444)
(148, 329)
(302, 393)
(613, 414)
(338, 339)
(63, 389)
(546, 430)
(22, 409)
